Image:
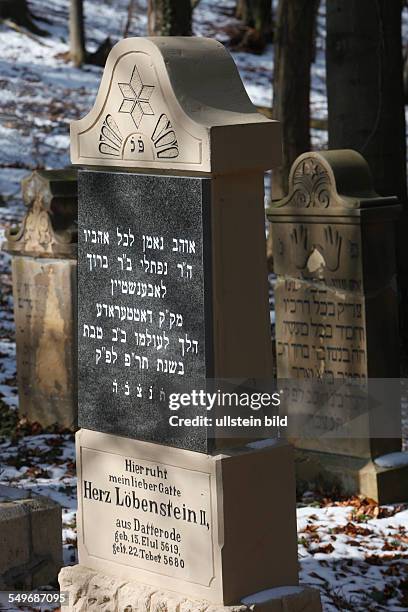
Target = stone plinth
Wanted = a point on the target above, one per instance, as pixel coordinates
(91, 591)
(30, 539)
(353, 474)
(44, 291)
(206, 526)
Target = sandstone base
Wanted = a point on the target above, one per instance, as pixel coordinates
(30, 539)
(352, 476)
(231, 515)
(91, 591)
(44, 303)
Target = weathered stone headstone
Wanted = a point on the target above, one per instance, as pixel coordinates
(30, 539)
(336, 321)
(44, 265)
(172, 292)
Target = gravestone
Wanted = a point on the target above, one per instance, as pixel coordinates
(167, 257)
(44, 253)
(173, 293)
(30, 539)
(337, 323)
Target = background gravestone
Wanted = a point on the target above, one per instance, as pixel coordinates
(337, 322)
(172, 292)
(30, 539)
(44, 270)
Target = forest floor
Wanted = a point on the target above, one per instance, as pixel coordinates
(353, 551)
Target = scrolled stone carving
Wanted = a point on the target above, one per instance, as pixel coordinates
(311, 183)
(49, 227)
(330, 179)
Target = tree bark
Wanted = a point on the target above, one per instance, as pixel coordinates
(241, 10)
(261, 16)
(294, 43)
(77, 32)
(405, 74)
(169, 17)
(19, 12)
(131, 8)
(366, 103)
(256, 31)
(294, 50)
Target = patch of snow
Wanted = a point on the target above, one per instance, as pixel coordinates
(263, 443)
(392, 460)
(270, 594)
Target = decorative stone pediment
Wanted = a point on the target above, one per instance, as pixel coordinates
(49, 228)
(174, 103)
(331, 180)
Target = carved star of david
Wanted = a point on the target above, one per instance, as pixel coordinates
(136, 96)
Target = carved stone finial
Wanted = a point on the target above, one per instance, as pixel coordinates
(49, 227)
(331, 179)
(174, 103)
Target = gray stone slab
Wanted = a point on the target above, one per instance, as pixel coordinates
(145, 323)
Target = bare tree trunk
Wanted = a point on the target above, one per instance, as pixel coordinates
(77, 32)
(131, 8)
(169, 17)
(261, 16)
(18, 11)
(294, 44)
(294, 49)
(405, 74)
(241, 10)
(256, 17)
(366, 103)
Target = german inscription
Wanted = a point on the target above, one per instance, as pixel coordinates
(156, 517)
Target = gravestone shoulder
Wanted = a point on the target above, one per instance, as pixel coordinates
(332, 182)
(155, 109)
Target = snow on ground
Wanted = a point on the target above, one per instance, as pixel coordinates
(354, 552)
(40, 93)
(357, 561)
(45, 464)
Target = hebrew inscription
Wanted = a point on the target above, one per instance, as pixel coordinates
(143, 297)
(321, 330)
(319, 303)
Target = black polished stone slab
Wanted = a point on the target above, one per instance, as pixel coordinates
(144, 302)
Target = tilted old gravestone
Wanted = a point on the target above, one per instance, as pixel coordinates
(172, 291)
(337, 322)
(44, 266)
